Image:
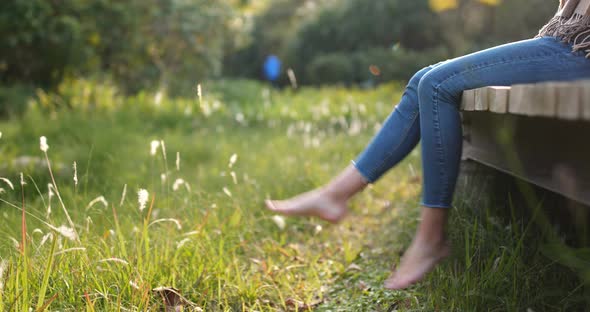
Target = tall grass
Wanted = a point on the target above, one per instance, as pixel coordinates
(200, 228)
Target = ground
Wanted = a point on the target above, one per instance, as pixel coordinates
(204, 230)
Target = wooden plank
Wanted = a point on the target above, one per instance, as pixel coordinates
(533, 99)
(519, 99)
(481, 99)
(498, 99)
(585, 98)
(544, 100)
(568, 98)
(468, 100)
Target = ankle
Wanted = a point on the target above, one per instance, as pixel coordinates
(335, 194)
(438, 239)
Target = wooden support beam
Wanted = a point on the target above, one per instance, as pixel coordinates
(548, 152)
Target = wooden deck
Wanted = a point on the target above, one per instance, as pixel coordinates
(537, 132)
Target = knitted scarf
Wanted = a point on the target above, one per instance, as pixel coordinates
(571, 24)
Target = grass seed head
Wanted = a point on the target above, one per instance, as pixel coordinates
(43, 144)
(232, 160)
(226, 191)
(199, 93)
(99, 199)
(163, 148)
(182, 243)
(154, 147)
(75, 174)
(177, 184)
(123, 194)
(5, 180)
(142, 198)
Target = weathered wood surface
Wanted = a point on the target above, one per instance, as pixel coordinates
(498, 97)
(548, 152)
(561, 100)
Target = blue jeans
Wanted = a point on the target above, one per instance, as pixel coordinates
(429, 108)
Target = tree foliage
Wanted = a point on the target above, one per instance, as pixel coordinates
(139, 42)
(172, 44)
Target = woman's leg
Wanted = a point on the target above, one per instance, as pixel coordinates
(398, 136)
(439, 92)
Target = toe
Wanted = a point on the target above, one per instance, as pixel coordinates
(270, 205)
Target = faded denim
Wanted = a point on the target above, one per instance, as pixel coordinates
(429, 108)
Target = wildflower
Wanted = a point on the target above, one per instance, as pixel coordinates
(318, 229)
(199, 93)
(279, 221)
(43, 144)
(178, 161)
(22, 179)
(142, 198)
(154, 147)
(75, 174)
(67, 232)
(232, 160)
(7, 182)
(233, 176)
(226, 191)
(99, 199)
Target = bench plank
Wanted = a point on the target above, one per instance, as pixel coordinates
(498, 99)
(585, 99)
(468, 100)
(569, 98)
(481, 99)
(534, 99)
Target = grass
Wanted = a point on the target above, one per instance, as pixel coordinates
(210, 238)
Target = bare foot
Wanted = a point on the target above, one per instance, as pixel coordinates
(317, 203)
(420, 258)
